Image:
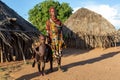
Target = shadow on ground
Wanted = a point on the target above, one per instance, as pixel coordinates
(29, 76)
(90, 61)
(71, 65)
(73, 51)
(36, 74)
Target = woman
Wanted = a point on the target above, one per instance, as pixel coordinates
(54, 31)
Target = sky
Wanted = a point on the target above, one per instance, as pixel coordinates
(109, 9)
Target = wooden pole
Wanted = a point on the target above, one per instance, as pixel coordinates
(1, 53)
(22, 52)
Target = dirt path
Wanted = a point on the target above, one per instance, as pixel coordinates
(97, 64)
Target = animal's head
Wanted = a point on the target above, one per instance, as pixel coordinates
(42, 39)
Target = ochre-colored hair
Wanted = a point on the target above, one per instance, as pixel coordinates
(51, 8)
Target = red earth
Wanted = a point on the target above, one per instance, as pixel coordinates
(95, 64)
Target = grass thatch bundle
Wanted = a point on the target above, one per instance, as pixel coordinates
(118, 36)
(87, 29)
(16, 35)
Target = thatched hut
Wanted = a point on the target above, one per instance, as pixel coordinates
(118, 36)
(87, 29)
(16, 35)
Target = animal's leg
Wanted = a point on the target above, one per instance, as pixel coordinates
(51, 65)
(43, 67)
(35, 60)
(39, 66)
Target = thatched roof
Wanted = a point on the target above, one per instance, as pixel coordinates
(6, 13)
(87, 29)
(16, 33)
(84, 20)
(10, 21)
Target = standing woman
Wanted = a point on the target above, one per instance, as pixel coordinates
(54, 31)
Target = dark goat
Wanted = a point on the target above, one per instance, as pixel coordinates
(43, 54)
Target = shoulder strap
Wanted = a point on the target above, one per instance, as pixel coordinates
(53, 22)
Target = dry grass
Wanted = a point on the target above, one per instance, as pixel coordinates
(87, 21)
(87, 29)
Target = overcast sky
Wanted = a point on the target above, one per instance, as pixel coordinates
(109, 9)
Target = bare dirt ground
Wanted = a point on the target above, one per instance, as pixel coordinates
(96, 64)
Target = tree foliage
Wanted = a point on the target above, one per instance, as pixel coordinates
(40, 13)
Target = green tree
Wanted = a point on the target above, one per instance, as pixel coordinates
(40, 13)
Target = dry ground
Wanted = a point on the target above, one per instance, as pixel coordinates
(96, 64)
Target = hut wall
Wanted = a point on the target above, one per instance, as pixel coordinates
(87, 41)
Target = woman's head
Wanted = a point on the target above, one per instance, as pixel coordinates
(52, 12)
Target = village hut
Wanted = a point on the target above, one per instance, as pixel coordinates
(118, 37)
(87, 29)
(16, 35)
